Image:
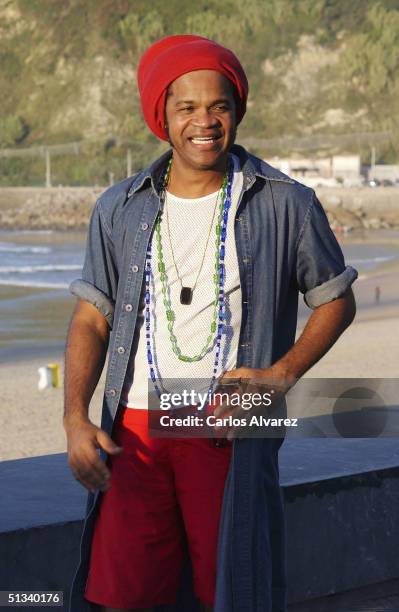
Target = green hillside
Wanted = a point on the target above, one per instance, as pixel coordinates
(68, 73)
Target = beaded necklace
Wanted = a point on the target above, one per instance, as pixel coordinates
(219, 278)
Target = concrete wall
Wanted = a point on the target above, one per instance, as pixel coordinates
(341, 498)
(372, 199)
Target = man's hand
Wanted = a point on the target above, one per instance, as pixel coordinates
(85, 355)
(83, 438)
(322, 330)
(254, 385)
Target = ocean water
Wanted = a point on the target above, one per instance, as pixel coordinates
(51, 259)
(41, 259)
(36, 268)
(366, 257)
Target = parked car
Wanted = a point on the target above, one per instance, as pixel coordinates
(373, 183)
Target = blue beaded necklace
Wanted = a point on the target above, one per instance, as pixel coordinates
(220, 299)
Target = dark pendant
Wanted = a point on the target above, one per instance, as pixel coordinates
(186, 295)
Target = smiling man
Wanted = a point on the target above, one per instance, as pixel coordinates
(192, 271)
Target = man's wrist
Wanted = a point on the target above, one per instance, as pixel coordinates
(283, 374)
(75, 418)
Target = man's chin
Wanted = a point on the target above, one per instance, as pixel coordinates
(209, 160)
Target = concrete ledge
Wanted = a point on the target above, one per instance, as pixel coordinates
(41, 510)
(40, 558)
(379, 597)
(341, 498)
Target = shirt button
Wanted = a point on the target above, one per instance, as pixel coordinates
(112, 392)
(144, 226)
(121, 350)
(129, 307)
(135, 268)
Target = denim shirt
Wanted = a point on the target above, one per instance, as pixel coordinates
(284, 246)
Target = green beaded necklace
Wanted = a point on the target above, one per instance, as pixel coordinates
(170, 315)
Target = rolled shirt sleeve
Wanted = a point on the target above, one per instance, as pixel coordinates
(98, 284)
(321, 273)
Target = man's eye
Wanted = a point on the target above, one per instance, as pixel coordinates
(187, 108)
(221, 107)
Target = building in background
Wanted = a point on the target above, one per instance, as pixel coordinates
(384, 173)
(331, 171)
(347, 169)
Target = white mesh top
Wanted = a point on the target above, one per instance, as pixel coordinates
(189, 223)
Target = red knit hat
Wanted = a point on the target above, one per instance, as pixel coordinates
(173, 56)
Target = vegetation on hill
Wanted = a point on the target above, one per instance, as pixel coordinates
(68, 73)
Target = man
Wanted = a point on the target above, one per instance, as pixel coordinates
(151, 274)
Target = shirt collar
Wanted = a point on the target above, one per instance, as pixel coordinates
(252, 168)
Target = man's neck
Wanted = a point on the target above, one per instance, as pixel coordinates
(187, 182)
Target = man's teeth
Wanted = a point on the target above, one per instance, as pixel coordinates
(202, 140)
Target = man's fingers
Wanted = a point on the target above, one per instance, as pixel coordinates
(224, 410)
(87, 467)
(97, 465)
(91, 481)
(91, 476)
(90, 470)
(107, 444)
(220, 410)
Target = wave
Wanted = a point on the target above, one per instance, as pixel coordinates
(10, 248)
(39, 268)
(38, 284)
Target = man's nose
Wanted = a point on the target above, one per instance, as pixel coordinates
(203, 117)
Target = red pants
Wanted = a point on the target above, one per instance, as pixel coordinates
(165, 495)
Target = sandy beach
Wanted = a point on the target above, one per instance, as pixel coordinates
(31, 420)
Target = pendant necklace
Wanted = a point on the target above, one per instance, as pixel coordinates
(186, 293)
(217, 324)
